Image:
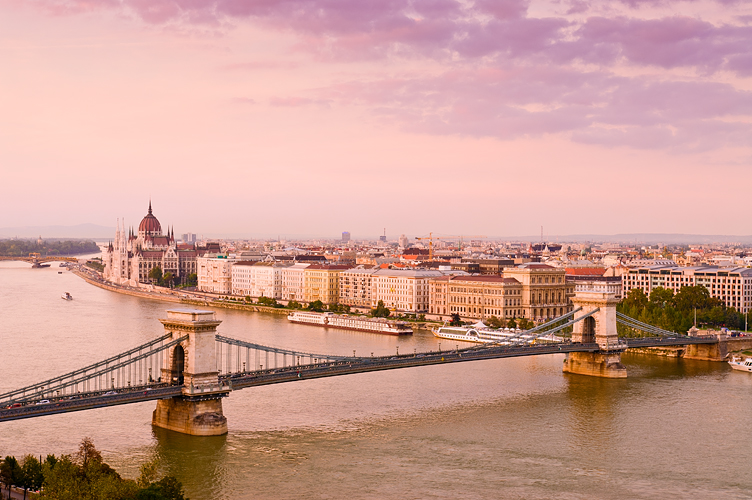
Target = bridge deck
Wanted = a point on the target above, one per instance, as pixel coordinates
(320, 370)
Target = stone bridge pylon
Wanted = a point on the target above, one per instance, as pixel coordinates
(193, 364)
(599, 328)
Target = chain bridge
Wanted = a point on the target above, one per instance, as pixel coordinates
(190, 368)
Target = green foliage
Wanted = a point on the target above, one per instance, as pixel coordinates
(191, 280)
(339, 308)
(316, 305)
(22, 248)
(294, 304)
(86, 476)
(512, 324)
(155, 274)
(676, 312)
(525, 324)
(381, 311)
(267, 301)
(168, 278)
(456, 320)
(494, 322)
(97, 266)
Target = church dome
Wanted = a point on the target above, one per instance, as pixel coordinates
(150, 224)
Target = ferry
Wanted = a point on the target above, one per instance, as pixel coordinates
(67, 296)
(346, 322)
(738, 364)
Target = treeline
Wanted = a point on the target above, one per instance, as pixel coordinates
(22, 248)
(676, 312)
(85, 476)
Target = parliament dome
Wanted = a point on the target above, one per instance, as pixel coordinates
(150, 224)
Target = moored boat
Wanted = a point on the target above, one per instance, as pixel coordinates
(480, 333)
(738, 364)
(347, 322)
(67, 296)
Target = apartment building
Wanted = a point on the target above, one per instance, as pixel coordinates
(293, 282)
(321, 282)
(215, 273)
(403, 289)
(732, 285)
(242, 278)
(356, 287)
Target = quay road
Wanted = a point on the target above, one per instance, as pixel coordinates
(242, 380)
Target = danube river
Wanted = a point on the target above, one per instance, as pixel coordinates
(508, 428)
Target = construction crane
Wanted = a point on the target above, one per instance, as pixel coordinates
(431, 237)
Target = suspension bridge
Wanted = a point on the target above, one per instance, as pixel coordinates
(190, 368)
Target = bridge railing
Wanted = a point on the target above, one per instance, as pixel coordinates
(239, 356)
(137, 367)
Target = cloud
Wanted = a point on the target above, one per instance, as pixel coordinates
(591, 107)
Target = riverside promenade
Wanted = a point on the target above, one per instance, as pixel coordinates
(170, 295)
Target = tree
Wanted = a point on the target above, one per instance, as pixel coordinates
(512, 324)
(10, 472)
(381, 311)
(661, 296)
(456, 320)
(191, 280)
(494, 322)
(316, 305)
(294, 304)
(168, 278)
(267, 301)
(155, 275)
(525, 324)
(31, 474)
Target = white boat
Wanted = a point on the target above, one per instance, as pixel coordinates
(738, 364)
(480, 333)
(67, 296)
(346, 322)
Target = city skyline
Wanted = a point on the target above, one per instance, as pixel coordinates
(316, 118)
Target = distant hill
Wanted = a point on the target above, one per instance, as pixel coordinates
(640, 238)
(80, 231)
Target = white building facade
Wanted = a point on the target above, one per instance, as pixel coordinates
(215, 274)
(293, 282)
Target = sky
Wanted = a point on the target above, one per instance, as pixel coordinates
(311, 117)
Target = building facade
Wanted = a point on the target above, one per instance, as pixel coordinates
(356, 287)
(322, 283)
(545, 290)
(215, 274)
(131, 257)
(476, 297)
(402, 289)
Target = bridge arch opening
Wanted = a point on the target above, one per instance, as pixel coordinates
(588, 330)
(178, 365)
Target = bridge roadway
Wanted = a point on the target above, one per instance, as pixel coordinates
(243, 380)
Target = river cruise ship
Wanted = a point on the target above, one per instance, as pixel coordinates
(489, 335)
(346, 322)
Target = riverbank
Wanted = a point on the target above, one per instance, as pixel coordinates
(181, 297)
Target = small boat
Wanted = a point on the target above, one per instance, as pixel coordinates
(59, 272)
(67, 296)
(738, 364)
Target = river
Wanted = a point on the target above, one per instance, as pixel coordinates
(508, 428)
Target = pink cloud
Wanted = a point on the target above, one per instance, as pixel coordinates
(592, 107)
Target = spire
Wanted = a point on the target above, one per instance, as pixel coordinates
(149, 206)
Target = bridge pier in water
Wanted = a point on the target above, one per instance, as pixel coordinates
(598, 328)
(192, 364)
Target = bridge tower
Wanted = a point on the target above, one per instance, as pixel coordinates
(192, 364)
(600, 329)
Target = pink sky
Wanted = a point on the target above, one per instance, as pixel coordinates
(289, 117)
